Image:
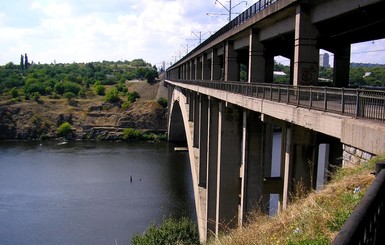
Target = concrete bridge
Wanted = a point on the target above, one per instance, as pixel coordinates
(250, 141)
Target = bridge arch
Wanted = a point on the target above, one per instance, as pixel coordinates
(176, 131)
(180, 129)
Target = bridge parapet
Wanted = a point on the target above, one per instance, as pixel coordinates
(357, 103)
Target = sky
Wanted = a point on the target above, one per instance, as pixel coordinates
(66, 31)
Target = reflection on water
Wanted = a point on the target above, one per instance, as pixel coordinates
(82, 193)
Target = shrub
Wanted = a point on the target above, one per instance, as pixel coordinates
(131, 134)
(14, 92)
(163, 102)
(36, 96)
(100, 89)
(172, 231)
(112, 96)
(65, 129)
(121, 87)
(66, 86)
(126, 104)
(132, 96)
(69, 95)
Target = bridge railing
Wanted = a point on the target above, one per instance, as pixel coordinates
(359, 103)
(366, 225)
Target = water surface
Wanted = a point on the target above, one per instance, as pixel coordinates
(89, 193)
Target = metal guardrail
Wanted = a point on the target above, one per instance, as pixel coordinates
(240, 19)
(366, 225)
(359, 103)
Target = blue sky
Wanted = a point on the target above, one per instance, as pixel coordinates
(69, 31)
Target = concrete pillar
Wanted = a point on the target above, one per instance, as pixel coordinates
(231, 63)
(229, 162)
(216, 69)
(191, 103)
(341, 66)
(286, 151)
(199, 69)
(256, 59)
(212, 168)
(253, 175)
(306, 53)
(188, 71)
(269, 68)
(267, 152)
(192, 69)
(304, 157)
(206, 68)
(197, 103)
(203, 143)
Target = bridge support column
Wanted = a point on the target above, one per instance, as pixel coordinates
(251, 170)
(212, 168)
(206, 66)
(306, 53)
(229, 161)
(268, 183)
(199, 68)
(285, 157)
(231, 63)
(203, 143)
(188, 71)
(192, 69)
(216, 69)
(341, 66)
(190, 101)
(304, 159)
(256, 59)
(196, 120)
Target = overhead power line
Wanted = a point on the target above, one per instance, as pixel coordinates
(229, 9)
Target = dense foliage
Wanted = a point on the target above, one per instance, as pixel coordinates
(70, 80)
(361, 75)
(172, 231)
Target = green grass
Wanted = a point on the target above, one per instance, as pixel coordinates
(314, 219)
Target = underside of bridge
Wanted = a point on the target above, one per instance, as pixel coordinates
(242, 160)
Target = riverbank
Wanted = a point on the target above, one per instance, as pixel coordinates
(91, 118)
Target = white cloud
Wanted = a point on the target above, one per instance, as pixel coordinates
(84, 31)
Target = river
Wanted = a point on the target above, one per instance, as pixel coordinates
(89, 193)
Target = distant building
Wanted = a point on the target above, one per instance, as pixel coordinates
(324, 60)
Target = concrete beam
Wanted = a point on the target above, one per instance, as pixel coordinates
(323, 122)
(366, 136)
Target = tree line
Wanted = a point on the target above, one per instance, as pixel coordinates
(360, 75)
(30, 80)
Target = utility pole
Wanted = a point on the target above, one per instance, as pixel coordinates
(198, 36)
(228, 9)
(186, 47)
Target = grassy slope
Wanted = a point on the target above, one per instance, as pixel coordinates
(315, 219)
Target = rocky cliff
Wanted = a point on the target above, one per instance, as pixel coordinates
(90, 118)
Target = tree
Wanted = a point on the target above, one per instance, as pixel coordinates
(26, 65)
(151, 74)
(22, 62)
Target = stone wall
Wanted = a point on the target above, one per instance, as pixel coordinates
(355, 156)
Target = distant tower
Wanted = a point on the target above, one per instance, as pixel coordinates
(324, 60)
